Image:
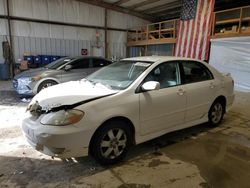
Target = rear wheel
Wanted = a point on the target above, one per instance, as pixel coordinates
(45, 84)
(110, 143)
(216, 113)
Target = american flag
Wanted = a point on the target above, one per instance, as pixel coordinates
(194, 29)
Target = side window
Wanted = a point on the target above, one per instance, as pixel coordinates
(80, 64)
(167, 74)
(100, 62)
(195, 72)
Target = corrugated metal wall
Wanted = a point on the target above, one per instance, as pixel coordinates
(50, 39)
(160, 50)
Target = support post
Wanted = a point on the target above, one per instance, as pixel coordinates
(11, 58)
(106, 33)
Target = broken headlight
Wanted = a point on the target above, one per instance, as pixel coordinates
(62, 117)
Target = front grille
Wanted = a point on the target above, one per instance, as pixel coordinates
(15, 83)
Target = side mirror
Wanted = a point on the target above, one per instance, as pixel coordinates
(151, 85)
(67, 67)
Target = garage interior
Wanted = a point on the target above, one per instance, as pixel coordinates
(33, 32)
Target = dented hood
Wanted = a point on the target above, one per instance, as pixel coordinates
(70, 93)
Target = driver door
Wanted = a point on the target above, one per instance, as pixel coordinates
(164, 108)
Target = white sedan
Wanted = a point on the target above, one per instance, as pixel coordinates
(126, 103)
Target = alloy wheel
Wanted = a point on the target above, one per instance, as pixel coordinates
(216, 113)
(113, 143)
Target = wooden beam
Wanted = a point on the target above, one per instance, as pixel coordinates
(120, 2)
(143, 3)
(118, 9)
(152, 42)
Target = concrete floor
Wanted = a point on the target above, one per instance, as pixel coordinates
(201, 156)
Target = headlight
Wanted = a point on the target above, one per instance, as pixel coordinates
(62, 117)
(24, 81)
(36, 78)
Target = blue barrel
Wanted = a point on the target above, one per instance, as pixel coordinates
(29, 58)
(46, 59)
(4, 71)
(37, 59)
(54, 58)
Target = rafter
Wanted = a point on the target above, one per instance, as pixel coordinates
(143, 3)
(162, 7)
(120, 2)
(118, 8)
(165, 12)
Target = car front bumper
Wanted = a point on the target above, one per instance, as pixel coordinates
(62, 142)
(23, 89)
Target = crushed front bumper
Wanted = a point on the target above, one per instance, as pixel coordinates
(64, 143)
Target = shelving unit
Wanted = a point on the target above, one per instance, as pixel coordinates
(155, 33)
(231, 23)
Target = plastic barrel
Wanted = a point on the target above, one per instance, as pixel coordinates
(46, 59)
(4, 71)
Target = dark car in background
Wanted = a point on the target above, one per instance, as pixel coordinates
(29, 83)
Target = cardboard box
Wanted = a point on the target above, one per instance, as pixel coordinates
(24, 65)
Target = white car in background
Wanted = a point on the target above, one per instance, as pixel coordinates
(126, 103)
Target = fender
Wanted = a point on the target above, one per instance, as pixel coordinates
(44, 79)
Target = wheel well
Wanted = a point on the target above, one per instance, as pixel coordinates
(119, 118)
(46, 80)
(223, 100)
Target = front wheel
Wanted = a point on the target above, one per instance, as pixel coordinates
(110, 143)
(216, 113)
(45, 84)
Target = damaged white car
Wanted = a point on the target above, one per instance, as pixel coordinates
(126, 103)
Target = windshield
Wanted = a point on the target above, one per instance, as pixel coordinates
(119, 75)
(58, 63)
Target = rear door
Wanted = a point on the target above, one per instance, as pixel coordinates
(164, 108)
(200, 89)
(79, 70)
(97, 63)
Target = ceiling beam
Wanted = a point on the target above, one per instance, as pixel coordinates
(143, 3)
(169, 11)
(118, 9)
(162, 7)
(120, 2)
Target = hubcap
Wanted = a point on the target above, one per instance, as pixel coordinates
(217, 112)
(47, 85)
(113, 143)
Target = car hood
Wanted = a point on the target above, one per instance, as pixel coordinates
(69, 94)
(34, 72)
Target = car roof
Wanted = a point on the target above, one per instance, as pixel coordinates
(85, 57)
(158, 58)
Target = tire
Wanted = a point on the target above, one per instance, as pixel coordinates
(216, 113)
(111, 142)
(45, 84)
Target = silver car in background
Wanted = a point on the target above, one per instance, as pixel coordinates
(29, 83)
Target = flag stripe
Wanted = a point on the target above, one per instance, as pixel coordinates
(205, 30)
(194, 34)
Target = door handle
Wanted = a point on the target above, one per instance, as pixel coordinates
(211, 85)
(180, 92)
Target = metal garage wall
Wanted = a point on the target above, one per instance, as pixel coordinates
(59, 10)
(48, 39)
(117, 44)
(124, 21)
(160, 49)
(3, 7)
(233, 55)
